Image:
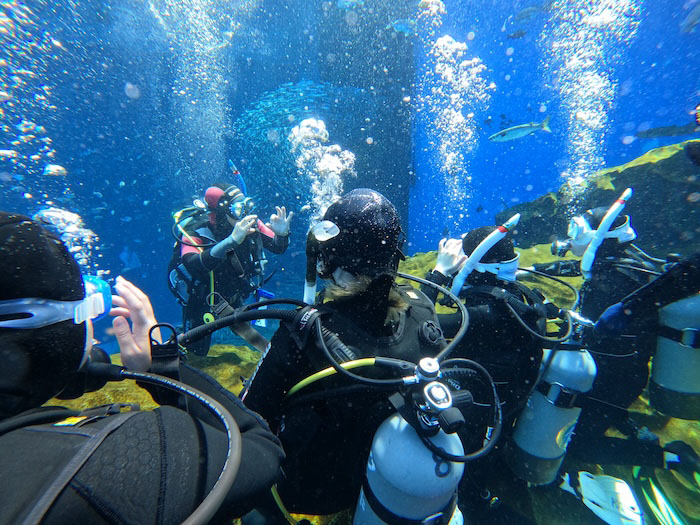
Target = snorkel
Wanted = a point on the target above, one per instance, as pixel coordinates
(312, 249)
(483, 247)
(318, 233)
(600, 233)
(239, 178)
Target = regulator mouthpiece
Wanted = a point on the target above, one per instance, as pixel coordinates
(560, 248)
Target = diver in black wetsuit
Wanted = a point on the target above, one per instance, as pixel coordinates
(498, 308)
(622, 344)
(495, 338)
(219, 249)
(327, 430)
(102, 466)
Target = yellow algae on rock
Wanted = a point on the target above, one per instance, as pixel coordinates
(126, 391)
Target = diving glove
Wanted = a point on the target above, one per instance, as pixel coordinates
(612, 322)
(241, 230)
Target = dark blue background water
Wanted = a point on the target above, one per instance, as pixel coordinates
(132, 162)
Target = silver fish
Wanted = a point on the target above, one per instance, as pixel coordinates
(518, 132)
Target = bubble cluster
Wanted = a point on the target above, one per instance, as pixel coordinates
(324, 165)
(26, 111)
(200, 31)
(80, 240)
(452, 90)
(585, 40)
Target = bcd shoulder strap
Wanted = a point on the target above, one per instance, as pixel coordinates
(95, 436)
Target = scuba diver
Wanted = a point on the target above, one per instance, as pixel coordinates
(109, 464)
(327, 430)
(630, 293)
(218, 257)
(506, 334)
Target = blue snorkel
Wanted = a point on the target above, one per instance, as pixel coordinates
(239, 178)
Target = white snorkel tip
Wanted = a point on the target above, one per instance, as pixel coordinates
(511, 223)
(310, 292)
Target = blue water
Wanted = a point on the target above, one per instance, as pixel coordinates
(145, 102)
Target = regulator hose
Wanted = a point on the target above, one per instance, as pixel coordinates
(213, 501)
(202, 331)
(323, 333)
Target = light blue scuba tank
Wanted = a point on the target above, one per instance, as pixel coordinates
(544, 428)
(406, 479)
(674, 388)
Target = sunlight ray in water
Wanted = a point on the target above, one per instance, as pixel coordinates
(452, 88)
(582, 42)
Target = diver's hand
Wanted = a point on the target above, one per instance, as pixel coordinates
(612, 322)
(243, 228)
(134, 342)
(279, 222)
(450, 257)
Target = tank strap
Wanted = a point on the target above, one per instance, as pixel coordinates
(439, 518)
(688, 337)
(95, 439)
(558, 395)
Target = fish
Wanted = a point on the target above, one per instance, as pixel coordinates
(689, 22)
(518, 34)
(669, 131)
(4, 96)
(518, 132)
(55, 170)
(350, 4)
(697, 112)
(405, 26)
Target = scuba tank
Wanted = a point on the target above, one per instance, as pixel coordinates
(405, 479)
(544, 427)
(674, 388)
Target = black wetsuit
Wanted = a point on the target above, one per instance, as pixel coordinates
(327, 428)
(512, 355)
(235, 277)
(623, 361)
(495, 339)
(155, 467)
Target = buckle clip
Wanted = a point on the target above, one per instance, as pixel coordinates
(690, 337)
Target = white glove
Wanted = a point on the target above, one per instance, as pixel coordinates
(279, 222)
(241, 230)
(450, 257)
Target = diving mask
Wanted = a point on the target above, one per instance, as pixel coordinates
(504, 270)
(242, 207)
(29, 313)
(581, 234)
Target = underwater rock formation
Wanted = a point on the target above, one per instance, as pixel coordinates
(665, 207)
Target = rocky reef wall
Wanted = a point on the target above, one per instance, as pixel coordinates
(665, 207)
